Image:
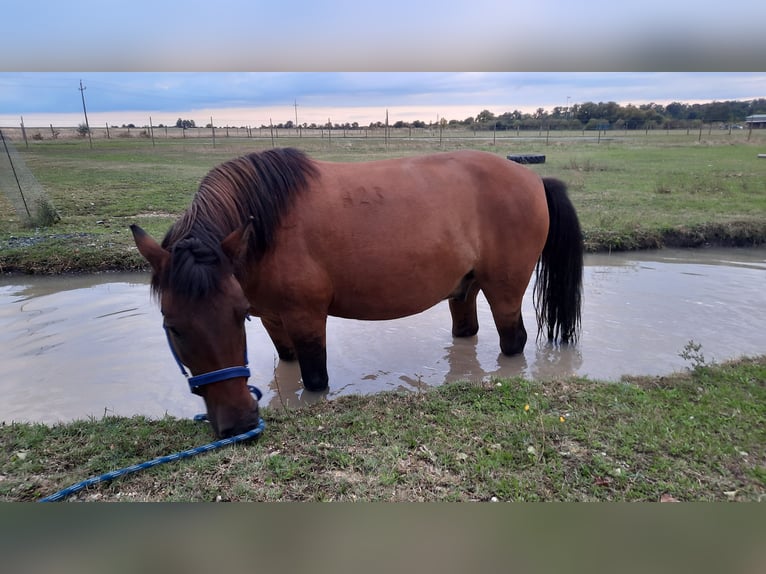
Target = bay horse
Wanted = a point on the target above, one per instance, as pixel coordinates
(291, 240)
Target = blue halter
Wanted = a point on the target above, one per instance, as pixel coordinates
(213, 376)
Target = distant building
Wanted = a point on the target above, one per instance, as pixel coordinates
(756, 121)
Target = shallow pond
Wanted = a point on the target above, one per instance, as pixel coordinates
(79, 346)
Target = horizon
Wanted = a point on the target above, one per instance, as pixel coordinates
(255, 99)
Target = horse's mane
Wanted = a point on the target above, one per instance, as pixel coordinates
(256, 188)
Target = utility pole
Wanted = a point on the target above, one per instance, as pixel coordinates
(85, 111)
(297, 127)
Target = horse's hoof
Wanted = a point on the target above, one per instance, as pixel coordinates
(316, 386)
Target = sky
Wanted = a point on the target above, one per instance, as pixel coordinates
(258, 98)
(247, 62)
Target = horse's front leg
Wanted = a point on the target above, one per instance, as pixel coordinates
(279, 337)
(308, 335)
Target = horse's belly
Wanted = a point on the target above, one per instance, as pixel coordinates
(392, 297)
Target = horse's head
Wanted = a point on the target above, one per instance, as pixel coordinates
(204, 310)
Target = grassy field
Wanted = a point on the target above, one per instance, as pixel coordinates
(696, 436)
(632, 190)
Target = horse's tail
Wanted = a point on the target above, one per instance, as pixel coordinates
(558, 286)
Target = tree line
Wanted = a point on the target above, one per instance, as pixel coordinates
(578, 116)
(606, 115)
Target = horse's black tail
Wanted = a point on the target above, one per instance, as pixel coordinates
(558, 286)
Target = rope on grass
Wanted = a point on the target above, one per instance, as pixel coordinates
(62, 494)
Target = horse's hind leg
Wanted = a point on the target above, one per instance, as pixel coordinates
(465, 322)
(505, 304)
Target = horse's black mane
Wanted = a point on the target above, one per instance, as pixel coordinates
(257, 188)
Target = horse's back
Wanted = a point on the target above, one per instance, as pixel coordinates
(463, 189)
(391, 238)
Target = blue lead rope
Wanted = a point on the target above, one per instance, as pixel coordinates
(194, 382)
(62, 494)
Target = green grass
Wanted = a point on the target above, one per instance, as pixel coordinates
(695, 436)
(632, 196)
(631, 190)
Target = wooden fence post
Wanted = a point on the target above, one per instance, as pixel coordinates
(24, 132)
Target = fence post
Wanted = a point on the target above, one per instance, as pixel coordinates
(15, 175)
(24, 132)
(271, 128)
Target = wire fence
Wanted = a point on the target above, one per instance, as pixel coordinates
(28, 135)
(20, 187)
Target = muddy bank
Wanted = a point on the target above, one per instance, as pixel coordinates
(732, 234)
(49, 253)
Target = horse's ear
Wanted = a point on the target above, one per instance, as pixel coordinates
(234, 243)
(149, 248)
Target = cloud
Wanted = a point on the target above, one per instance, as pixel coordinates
(253, 98)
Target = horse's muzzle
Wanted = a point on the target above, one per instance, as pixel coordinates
(227, 422)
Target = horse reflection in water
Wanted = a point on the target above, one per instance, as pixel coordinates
(291, 240)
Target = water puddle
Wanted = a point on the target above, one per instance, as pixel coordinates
(79, 346)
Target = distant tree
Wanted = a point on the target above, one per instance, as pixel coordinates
(485, 117)
(717, 112)
(586, 111)
(676, 110)
(185, 124)
(83, 130)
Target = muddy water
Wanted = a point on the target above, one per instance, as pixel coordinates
(75, 347)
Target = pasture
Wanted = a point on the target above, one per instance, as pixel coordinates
(631, 189)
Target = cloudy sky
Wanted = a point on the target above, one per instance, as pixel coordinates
(255, 98)
(246, 62)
